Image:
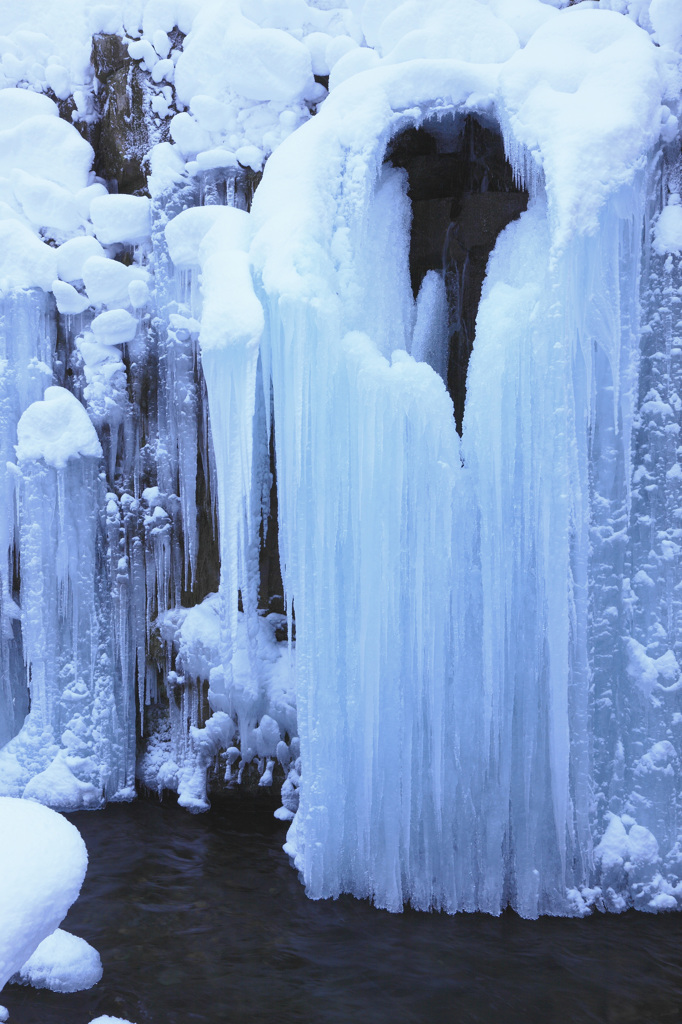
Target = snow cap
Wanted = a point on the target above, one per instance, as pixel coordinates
(56, 430)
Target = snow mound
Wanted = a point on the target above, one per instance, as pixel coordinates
(267, 64)
(257, 64)
(25, 261)
(62, 963)
(56, 430)
(69, 301)
(49, 148)
(43, 860)
(45, 203)
(121, 218)
(110, 1020)
(457, 30)
(115, 327)
(584, 100)
(17, 105)
(72, 255)
(107, 281)
(668, 228)
(58, 787)
(666, 21)
(186, 232)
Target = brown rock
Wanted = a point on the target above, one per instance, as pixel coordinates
(125, 131)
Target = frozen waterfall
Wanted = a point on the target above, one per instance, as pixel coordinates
(464, 614)
(428, 369)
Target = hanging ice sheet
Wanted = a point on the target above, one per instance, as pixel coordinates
(444, 600)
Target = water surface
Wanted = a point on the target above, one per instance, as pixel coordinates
(201, 920)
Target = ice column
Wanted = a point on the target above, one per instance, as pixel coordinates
(76, 747)
(367, 460)
(26, 345)
(231, 328)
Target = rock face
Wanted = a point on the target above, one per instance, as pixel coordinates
(124, 133)
(463, 194)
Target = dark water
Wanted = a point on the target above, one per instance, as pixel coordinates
(201, 920)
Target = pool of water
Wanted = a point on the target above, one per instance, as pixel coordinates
(201, 920)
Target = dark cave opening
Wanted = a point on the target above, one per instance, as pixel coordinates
(463, 195)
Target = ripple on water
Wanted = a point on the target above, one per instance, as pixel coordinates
(201, 920)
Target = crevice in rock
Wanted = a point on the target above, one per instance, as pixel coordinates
(271, 595)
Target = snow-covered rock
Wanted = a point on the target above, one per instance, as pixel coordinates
(56, 429)
(62, 963)
(120, 218)
(42, 864)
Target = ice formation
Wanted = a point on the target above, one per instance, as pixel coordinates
(480, 708)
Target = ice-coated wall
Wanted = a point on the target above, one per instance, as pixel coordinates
(109, 519)
(481, 705)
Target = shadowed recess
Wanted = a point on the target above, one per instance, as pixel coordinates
(463, 194)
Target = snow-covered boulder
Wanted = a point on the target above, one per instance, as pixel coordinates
(43, 860)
